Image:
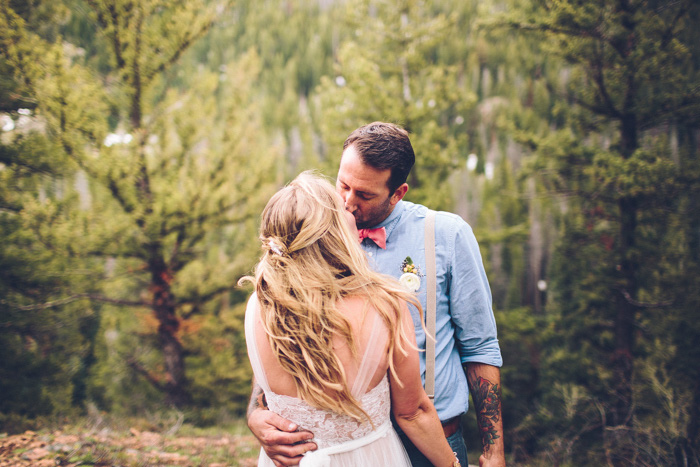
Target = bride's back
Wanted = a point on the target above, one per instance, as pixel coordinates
(367, 441)
(363, 370)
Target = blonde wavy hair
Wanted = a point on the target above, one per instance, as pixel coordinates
(311, 261)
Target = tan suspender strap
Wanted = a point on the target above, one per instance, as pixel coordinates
(430, 312)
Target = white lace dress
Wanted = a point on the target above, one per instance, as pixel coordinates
(342, 441)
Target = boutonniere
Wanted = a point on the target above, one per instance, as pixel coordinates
(410, 279)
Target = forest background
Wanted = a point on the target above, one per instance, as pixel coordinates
(141, 139)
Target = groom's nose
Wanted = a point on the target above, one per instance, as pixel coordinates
(350, 203)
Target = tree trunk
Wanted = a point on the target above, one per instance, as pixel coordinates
(625, 317)
(168, 324)
(623, 355)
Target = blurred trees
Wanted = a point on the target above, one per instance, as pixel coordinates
(141, 140)
(153, 201)
(630, 95)
(45, 347)
(390, 67)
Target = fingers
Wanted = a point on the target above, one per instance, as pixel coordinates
(261, 420)
(278, 422)
(278, 437)
(282, 440)
(288, 455)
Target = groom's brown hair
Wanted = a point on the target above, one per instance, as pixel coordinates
(384, 146)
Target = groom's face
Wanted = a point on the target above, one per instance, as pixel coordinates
(365, 190)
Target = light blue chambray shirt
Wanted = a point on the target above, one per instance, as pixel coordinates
(465, 325)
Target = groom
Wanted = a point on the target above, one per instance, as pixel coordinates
(374, 167)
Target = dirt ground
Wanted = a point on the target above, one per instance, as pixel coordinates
(133, 448)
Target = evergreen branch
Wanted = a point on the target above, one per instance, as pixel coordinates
(116, 193)
(113, 254)
(16, 209)
(73, 298)
(11, 50)
(70, 150)
(597, 109)
(202, 299)
(195, 238)
(143, 187)
(141, 370)
(16, 100)
(194, 311)
(176, 264)
(571, 32)
(636, 303)
(599, 79)
(106, 21)
(135, 115)
(177, 53)
(611, 112)
(688, 108)
(9, 158)
(668, 34)
(201, 218)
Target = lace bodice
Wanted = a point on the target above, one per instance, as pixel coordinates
(330, 428)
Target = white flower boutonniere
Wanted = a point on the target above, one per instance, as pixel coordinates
(410, 279)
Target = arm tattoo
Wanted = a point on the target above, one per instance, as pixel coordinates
(487, 398)
(254, 402)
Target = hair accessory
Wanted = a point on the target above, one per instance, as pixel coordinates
(275, 247)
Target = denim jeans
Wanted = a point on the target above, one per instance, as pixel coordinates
(456, 442)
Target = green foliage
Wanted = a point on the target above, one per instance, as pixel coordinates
(389, 69)
(219, 359)
(160, 221)
(571, 150)
(46, 349)
(630, 83)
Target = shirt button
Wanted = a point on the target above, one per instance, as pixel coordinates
(370, 254)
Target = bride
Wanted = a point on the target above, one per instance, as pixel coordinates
(331, 342)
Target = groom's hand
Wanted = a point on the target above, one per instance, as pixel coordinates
(279, 438)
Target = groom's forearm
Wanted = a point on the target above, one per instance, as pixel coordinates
(485, 387)
(277, 436)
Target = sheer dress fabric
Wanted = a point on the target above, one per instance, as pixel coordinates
(342, 441)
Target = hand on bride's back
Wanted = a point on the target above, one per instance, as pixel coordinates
(279, 438)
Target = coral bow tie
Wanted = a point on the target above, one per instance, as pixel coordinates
(377, 235)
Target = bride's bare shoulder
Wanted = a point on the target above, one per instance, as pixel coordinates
(354, 304)
(358, 310)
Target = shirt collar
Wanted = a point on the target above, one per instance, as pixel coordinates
(390, 222)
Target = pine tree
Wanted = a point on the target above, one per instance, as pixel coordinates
(632, 79)
(171, 178)
(47, 347)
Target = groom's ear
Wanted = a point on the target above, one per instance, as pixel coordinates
(399, 193)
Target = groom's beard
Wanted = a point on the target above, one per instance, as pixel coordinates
(367, 219)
